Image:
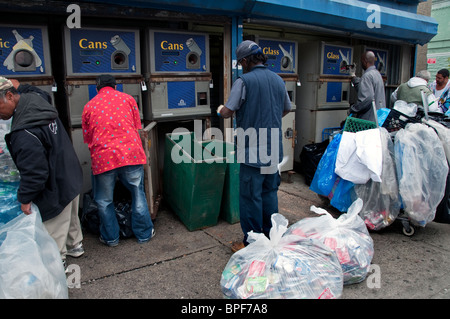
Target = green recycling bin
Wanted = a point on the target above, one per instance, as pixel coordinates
(230, 198)
(193, 180)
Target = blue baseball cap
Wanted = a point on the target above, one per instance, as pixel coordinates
(247, 48)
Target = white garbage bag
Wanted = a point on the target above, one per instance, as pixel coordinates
(30, 262)
(359, 157)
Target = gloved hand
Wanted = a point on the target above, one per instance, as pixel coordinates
(218, 110)
(352, 69)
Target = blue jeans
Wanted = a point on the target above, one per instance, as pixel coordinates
(132, 177)
(258, 199)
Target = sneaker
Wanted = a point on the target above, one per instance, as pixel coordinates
(146, 240)
(113, 244)
(76, 251)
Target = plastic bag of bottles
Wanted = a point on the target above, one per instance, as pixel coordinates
(422, 171)
(9, 206)
(282, 267)
(346, 235)
(8, 170)
(381, 201)
(30, 263)
(9, 182)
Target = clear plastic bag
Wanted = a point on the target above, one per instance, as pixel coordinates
(346, 235)
(30, 263)
(381, 202)
(422, 171)
(409, 109)
(284, 267)
(443, 134)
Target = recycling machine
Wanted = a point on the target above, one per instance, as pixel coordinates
(25, 56)
(324, 94)
(180, 77)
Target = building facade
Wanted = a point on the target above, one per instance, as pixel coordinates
(438, 53)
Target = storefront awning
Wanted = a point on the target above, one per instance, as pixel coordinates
(385, 20)
(352, 16)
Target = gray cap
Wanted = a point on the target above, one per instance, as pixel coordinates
(247, 48)
(5, 83)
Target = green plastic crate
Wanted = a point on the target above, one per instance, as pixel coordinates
(193, 181)
(354, 125)
(230, 198)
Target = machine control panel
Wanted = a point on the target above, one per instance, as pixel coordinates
(97, 51)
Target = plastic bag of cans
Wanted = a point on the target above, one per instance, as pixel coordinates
(346, 235)
(282, 267)
(381, 201)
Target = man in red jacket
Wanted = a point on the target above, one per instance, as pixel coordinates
(110, 123)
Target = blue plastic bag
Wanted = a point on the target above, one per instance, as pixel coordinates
(327, 183)
(324, 179)
(382, 115)
(341, 196)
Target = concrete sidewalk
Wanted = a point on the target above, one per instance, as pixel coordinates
(179, 264)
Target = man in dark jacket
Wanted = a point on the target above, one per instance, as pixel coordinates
(50, 173)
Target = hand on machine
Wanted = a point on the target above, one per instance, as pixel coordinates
(352, 69)
(219, 109)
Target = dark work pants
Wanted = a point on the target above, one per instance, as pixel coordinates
(258, 199)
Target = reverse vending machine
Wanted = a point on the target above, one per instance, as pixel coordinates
(90, 52)
(381, 59)
(180, 78)
(25, 56)
(282, 59)
(323, 97)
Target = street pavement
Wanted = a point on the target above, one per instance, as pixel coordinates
(178, 264)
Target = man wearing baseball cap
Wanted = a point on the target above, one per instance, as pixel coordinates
(50, 172)
(260, 100)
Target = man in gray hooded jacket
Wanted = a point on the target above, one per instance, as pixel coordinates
(370, 87)
(50, 172)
